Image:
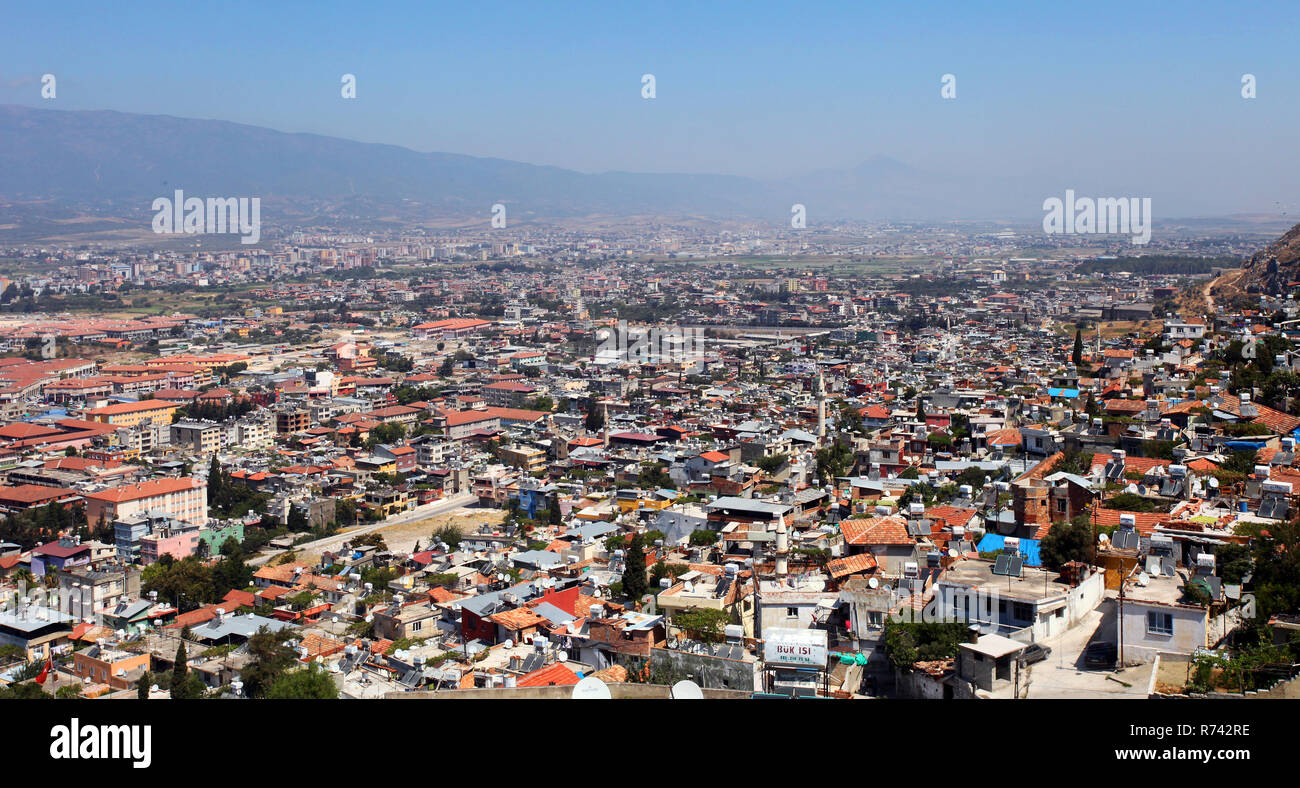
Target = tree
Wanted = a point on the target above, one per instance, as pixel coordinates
(270, 658)
(595, 418)
(1066, 542)
(1277, 570)
(214, 480)
(1076, 357)
(179, 668)
(142, 688)
(1240, 461)
(25, 691)
(310, 684)
(298, 521)
(704, 624)
(185, 685)
(910, 642)
(634, 577)
(702, 537)
(833, 461)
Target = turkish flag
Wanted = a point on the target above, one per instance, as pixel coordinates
(45, 671)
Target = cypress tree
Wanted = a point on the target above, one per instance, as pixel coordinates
(180, 670)
(214, 480)
(1077, 357)
(634, 580)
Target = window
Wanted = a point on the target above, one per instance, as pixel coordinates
(1160, 623)
(792, 612)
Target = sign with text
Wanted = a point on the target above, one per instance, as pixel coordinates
(795, 648)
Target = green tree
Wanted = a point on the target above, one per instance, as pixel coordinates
(1066, 542)
(910, 642)
(704, 624)
(297, 522)
(215, 480)
(270, 657)
(702, 537)
(634, 575)
(595, 418)
(311, 683)
(1076, 357)
(185, 685)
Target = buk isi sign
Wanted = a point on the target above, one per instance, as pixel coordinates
(795, 648)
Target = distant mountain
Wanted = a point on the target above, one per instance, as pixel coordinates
(105, 163)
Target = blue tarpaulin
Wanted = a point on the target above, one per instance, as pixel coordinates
(1243, 445)
(1067, 393)
(1028, 548)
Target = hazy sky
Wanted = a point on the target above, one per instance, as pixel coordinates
(1147, 95)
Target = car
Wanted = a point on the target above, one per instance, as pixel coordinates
(1100, 655)
(1036, 652)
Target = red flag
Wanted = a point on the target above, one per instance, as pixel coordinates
(45, 671)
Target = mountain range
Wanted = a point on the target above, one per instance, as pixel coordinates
(58, 164)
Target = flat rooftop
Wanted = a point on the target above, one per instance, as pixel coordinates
(1034, 584)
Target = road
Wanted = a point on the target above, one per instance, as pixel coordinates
(441, 506)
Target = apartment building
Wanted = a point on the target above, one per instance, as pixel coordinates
(182, 499)
(199, 436)
(132, 414)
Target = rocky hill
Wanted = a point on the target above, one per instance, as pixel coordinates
(1270, 270)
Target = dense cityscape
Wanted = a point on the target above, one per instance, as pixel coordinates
(930, 460)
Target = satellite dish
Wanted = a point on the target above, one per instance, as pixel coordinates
(873, 583)
(952, 552)
(1103, 538)
(687, 690)
(591, 688)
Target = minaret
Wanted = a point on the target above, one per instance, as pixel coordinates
(604, 412)
(782, 549)
(821, 406)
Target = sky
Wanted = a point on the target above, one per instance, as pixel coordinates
(1140, 96)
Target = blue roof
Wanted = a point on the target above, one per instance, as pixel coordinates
(1067, 393)
(1028, 548)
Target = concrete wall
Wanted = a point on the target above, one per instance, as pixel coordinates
(705, 670)
(1141, 646)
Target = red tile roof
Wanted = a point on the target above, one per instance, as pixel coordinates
(549, 676)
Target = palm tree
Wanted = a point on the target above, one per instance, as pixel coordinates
(25, 576)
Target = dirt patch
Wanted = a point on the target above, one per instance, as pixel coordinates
(401, 537)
